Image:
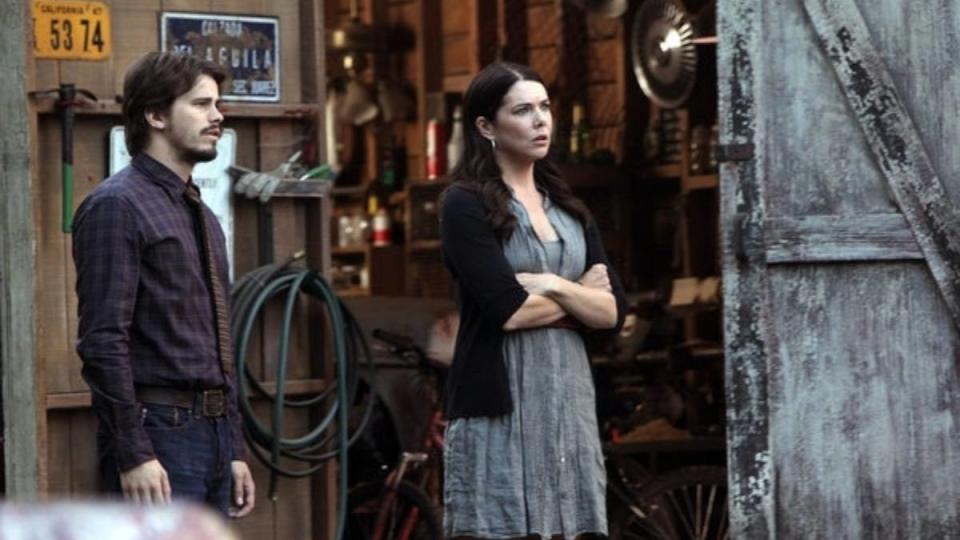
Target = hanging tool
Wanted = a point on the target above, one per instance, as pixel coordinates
(68, 96)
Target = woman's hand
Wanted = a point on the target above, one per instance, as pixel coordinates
(596, 278)
(541, 284)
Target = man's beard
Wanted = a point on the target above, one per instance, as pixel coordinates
(194, 155)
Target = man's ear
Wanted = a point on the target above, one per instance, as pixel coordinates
(155, 119)
(485, 127)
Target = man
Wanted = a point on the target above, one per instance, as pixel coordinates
(151, 281)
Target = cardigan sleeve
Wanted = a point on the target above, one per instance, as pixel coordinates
(475, 257)
(596, 255)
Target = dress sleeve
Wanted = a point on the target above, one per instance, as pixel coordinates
(597, 255)
(475, 257)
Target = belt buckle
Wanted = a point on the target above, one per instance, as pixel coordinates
(214, 403)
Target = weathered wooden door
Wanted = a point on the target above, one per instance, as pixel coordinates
(841, 256)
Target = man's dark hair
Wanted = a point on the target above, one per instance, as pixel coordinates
(154, 83)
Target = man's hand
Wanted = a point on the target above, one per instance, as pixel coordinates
(243, 490)
(542, 284)
(596, 278)
(146, 483)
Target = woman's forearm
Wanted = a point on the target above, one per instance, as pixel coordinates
(595, 308)
(536, 311)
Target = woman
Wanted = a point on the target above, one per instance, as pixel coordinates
(523, 454)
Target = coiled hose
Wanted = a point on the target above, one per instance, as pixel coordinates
(249, 295)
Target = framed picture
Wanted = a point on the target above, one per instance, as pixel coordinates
(247, 47)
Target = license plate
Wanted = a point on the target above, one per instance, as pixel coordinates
(71, 30)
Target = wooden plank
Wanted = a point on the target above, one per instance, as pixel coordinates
(47, 75)
(290, 51)
(186, 5)
(546, 62)
(84, 470)
(608, 138)
(456, 17)
(604, 61)
(59, 453)
(457, 51)
(53, 340)
(892, 137)
(604, 28)
(604, 106)
(515, 31)
(746, 335)
(136, 30)
(24, 421)
(840, 238)
(543, 26)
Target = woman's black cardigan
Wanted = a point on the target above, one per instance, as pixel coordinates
(488, 294)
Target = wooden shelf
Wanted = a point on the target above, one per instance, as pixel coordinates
(302, 188)
(702, 181)
(230, 109)
(352, 191)
(353, 291)
(693, 444)
(671, 170)
(589, 175)
(424, 245)
(359, 249)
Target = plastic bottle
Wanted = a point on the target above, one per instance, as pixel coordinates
(579, 135)
(435, 166)
(455, 146)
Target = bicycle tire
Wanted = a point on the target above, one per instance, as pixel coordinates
(688, 503)
(363, 503)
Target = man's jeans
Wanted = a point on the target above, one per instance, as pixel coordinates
(195, 451)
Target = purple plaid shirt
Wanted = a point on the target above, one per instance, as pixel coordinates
(146, 314)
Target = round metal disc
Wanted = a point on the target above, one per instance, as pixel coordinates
(664, 55)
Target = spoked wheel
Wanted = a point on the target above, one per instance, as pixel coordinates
(686, 504)
(411, 516)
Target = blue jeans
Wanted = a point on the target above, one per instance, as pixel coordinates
(195, 451)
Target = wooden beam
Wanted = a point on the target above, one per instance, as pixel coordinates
(22, 418)
(745, 319)
(877, 237)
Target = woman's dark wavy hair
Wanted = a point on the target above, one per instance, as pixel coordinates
(477, 169)
(153, 84)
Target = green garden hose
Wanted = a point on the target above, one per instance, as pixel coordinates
(249, 296)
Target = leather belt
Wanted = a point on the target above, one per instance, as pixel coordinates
(211, 403)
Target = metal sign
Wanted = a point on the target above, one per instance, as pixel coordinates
(211, 177)
(248, 47)
(71, 30)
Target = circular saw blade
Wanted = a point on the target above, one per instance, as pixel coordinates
(664, 55)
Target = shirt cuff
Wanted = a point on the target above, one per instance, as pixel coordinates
(132, 449)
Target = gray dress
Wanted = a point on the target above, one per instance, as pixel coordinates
(538, 470)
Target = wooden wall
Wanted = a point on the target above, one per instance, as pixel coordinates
(266, 135)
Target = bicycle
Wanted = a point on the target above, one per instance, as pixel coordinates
(406, 504)
(686, 503)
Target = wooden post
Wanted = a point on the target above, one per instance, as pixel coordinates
(22, 415)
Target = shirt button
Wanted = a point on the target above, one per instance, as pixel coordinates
(563, 459)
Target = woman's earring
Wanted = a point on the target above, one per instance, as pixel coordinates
(493, 143)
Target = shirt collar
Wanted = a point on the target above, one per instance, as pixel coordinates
(159, 174)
